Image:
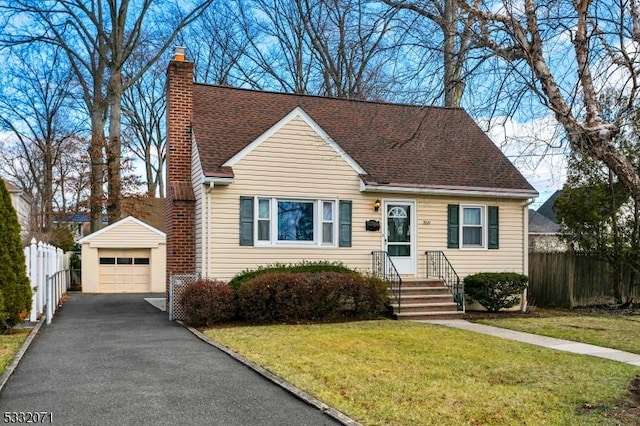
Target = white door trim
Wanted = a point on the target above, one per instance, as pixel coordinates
(404, 265)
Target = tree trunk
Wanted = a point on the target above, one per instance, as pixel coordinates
(114, 148)
(97, 169)
(453, 84)
(47, 189)
(149, 171)
(616, 255)
(160, 182)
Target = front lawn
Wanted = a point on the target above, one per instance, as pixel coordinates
(400, 373)
(611, 331)
(9, 345)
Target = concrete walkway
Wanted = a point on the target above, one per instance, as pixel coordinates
(116, 359)
(547, 342)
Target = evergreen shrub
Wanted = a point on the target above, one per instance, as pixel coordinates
(15, 289)
(495, 290)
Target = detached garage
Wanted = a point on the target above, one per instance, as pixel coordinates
(128, 256)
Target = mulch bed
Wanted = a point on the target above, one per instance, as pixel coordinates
(556, 312)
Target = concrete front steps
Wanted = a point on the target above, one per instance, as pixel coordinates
(427, 299)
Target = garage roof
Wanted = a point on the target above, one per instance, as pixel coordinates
(121, 223)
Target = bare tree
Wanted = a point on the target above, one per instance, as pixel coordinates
(99, 38)
(452, 45)
(568, 53)
(72, 178)
(351, 42)
(342, 48)
(144, 105)
(35, 109)
(286, 64)
(218, 41)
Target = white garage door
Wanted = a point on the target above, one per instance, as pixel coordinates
(124, 271)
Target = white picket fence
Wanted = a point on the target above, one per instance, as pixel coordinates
(48, 271)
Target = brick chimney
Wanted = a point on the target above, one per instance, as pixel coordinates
(180, 206)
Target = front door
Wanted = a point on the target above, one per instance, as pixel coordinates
(399, 233)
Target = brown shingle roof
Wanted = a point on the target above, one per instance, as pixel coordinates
(397, 145)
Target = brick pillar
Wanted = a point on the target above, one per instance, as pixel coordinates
(180, 206)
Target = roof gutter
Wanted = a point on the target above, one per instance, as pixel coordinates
(463, 191)
(218, 180)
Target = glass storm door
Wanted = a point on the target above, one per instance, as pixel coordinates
(398, 235)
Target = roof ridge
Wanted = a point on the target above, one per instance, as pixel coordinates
(308, 95)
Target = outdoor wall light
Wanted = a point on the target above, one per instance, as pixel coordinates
(376, 205)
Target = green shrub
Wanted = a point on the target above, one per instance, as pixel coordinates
(320, 266)
(274, 297)
(62, 237)
(495, 290)
(15, 289)
(207, 302)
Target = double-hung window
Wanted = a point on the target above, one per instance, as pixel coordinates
(473, 227)
(328, 219)
(282, 221)
(264, 219)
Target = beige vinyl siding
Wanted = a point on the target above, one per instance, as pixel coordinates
(295, 162)
(197, 177)
(432, 235)
(127, 235)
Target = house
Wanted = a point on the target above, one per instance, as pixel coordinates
(22, 204)
(127, 256)
(547, 209)
(256, 178)
(544, 231)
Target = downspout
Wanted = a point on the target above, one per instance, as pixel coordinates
(206, 255)
(525, 249)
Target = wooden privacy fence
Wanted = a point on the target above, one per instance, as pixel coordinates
(48, 272)
(568, 279)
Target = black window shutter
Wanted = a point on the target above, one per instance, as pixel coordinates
(453, 226)
(246, 221)
(494, 239)
(344, 238)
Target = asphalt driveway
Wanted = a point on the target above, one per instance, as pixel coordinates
(115, 359)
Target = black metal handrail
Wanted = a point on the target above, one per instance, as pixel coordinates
(439, 266)
(383, 267)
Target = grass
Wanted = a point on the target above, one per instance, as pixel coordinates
(9, 345)
(611, 331)
(399, 373)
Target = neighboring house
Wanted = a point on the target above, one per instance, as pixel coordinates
(547, 209)
(22, 204)
(256, 178)
(544, 231)
(127, 256)
(544, 234)
(78, 223)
